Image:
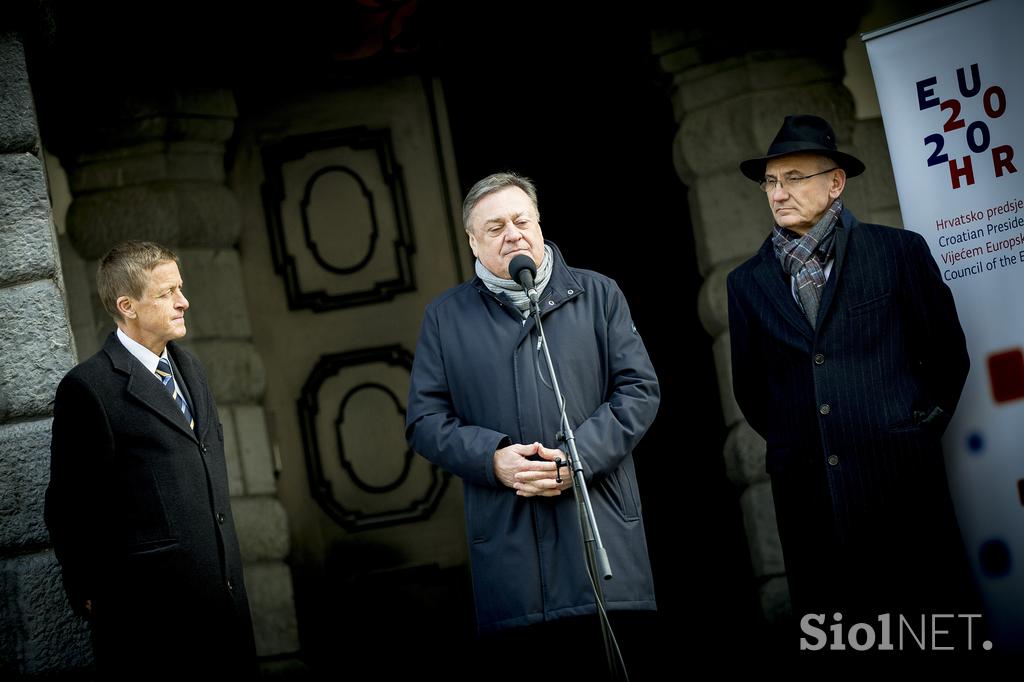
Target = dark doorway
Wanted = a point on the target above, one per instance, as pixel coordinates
(578, 104)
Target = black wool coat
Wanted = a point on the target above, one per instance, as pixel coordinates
(139, 514)
(852, 411)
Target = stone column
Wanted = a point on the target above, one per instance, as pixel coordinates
(155, 170)
(729, 108)
(38, 633)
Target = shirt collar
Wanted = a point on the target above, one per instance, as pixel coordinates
(148, 358)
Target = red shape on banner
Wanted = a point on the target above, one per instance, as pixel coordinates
(1006, 375)
(965, 171)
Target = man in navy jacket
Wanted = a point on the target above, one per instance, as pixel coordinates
(848, 358)
(480, 407)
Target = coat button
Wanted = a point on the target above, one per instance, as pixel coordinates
(819, 359)
(220, 517)
(551, 302)
(833, 460)
(825, 409)
(570, 292)
(231, 584)
(202, 447)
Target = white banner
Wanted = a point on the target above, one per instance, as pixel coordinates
(951, 90)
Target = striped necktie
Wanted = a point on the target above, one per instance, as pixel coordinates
(163, 372)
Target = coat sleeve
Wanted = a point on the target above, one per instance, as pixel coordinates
(749, 381)
(613, 430)
(81, 442)
(433, 429)
(937, 340)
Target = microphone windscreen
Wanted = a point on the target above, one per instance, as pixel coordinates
(519, 264)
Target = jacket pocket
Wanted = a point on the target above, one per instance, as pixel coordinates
(621, 494)
(865, 307)
(152, 546)
(146, 519)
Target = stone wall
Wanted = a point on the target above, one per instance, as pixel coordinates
(38, 633)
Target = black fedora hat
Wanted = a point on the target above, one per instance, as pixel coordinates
(803, 133)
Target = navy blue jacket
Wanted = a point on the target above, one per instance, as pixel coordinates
(479, 383)
(140, 518)
(852, 412)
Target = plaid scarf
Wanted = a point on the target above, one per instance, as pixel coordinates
(805, 257)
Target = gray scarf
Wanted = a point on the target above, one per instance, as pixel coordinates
(511, 289)
(805, 257)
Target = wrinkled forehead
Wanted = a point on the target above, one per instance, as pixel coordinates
(798, 164)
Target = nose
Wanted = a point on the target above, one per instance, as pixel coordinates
(779, 189)
(182, 302)
(512, 231)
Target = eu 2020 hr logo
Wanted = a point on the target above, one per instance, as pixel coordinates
(977, 132)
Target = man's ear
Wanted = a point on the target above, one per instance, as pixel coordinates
(838, 183)
(126, 307)
(472, 243)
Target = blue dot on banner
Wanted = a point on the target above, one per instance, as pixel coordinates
(975, 443)
(995, 558)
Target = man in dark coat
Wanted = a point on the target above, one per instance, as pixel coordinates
(137, 504)
(480, 407)
(848, 358)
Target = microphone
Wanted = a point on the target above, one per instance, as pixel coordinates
(523, 270)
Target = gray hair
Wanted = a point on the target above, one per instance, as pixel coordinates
(493, 183)
(124, 271)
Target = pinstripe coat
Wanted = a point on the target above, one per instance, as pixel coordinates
(852, 412)
(140, 519)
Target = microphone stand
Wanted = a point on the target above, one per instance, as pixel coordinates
(597, 557)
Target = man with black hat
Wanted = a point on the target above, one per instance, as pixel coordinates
(848, 358)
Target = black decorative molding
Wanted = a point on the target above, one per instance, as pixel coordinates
(307, 231)
(361, 139)
(347, 516)
(347, 465)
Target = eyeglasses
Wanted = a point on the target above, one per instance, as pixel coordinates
(769, 184)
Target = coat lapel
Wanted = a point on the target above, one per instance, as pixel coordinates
(145, 387)
(843, 228)
(770, 276)
(190, 374)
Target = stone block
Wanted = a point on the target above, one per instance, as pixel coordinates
(713, 298)
(762, 530)
(39, 635)
(262, 527)
(26, 234)
(140, 164)
(35, 347)
(775, 603)
(234, 368)
(254, 450)
(722, 354)
(17, 113)
(744, 455)
(24, 473)
(174, 213)
(99, 220)
(269, 586)
(213, 285)
(234, 463)
(731, 219)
